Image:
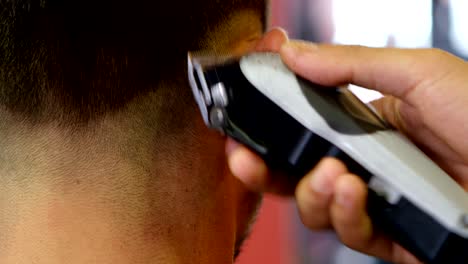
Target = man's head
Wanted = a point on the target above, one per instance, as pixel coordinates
(103, 156)
(89, 58)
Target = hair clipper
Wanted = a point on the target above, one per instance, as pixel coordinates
(292, 123)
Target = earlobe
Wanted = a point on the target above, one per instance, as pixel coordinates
(273, 40)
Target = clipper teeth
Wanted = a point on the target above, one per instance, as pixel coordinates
(196, 80)
(207, 60)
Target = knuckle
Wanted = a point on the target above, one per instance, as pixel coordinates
(315, 223)
(314, 213)
(355, 241)
(344, 223)
(313, 206)
(356, 234)
(438, 54)
(434, 55)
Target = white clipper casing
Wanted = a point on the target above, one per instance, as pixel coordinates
(292, 123)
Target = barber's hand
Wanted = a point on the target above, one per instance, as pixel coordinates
(426, 98)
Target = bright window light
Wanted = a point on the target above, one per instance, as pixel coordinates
(459, 22)
(379, 23)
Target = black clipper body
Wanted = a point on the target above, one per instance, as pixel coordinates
(292, 123)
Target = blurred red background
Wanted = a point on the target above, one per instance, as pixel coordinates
(271, 240)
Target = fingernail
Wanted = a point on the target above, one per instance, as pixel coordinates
(294, 49)
(231, 146)
(320, 183)
(280, 29)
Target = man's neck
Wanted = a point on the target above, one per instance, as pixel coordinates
(70, 198)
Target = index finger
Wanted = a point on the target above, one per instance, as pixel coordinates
(403, 73)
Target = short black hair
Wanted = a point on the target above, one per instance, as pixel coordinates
(81, 59)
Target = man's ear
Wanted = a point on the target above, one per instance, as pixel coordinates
(272, 40)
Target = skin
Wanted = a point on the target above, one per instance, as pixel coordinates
(426, 99)
(88, 196)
